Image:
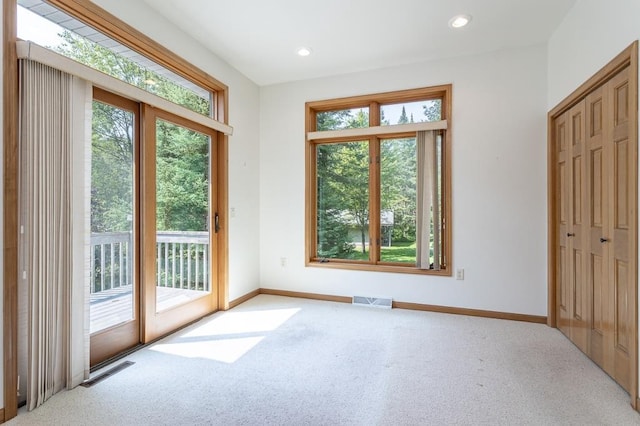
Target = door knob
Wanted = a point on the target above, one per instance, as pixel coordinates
(603, 240)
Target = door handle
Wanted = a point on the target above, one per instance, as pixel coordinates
(216, 223)
(571, 234)
(603, 240)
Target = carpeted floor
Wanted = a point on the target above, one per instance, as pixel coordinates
(286, 361)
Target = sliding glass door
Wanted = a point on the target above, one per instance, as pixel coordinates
(153, 223)
(180, 218)
(113, 287)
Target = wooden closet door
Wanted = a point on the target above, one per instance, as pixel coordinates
(563, 287)
(619, 236)
(596, 105)
(573, 294)
(593, 153)
(611, 202)
(580, 290)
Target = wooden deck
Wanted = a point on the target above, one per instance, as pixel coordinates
(111, 307)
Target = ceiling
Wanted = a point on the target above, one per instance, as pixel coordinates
(260, 38)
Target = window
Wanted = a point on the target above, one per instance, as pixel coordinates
(50, 27)
(379, 182)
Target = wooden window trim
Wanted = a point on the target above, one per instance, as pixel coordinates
(10, 140)
(374, 102)
(376, 130)
(91, 14)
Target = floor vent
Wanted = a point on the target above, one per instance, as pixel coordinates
(376, 302)
(110, 372)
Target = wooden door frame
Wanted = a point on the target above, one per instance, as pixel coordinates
(628, 57)
(102, 342)
(178, 316)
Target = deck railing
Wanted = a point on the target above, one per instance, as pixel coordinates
(182, 260)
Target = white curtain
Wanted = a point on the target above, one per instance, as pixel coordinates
(428, 205)
(54, 125)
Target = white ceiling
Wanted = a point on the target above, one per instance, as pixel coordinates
(260, 37)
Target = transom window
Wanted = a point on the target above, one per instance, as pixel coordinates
(52, 28)
(378, 182)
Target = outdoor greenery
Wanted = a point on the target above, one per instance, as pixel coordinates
(182, 167)
(182, 161)
(343, 188)
(182, 171)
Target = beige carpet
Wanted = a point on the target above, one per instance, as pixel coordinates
(285, 361)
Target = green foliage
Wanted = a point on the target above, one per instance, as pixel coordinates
(400, 252)
(115, 65)
(343, 195)
(343, 119)
(403, 116)
(343, 187)
(433, 110)
(182, 178)
(333, 235)
(182, 162)
(111, 169)
(398, 186)
(331, 120)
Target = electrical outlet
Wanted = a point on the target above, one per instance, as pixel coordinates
(283, 262)
(460, 274)
(232, 212)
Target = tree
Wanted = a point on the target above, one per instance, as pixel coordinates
(397, 186)
(433, 110)
(111, 169)
(343, 191)
(343, 181)
(332, 120)
(122, 68)
(182, 175)
(383, 120)
(182, 160)
(403, 117)
(333, 229)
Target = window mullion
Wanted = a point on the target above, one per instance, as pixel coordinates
(374, 114)
(374, 200)
(374, 186)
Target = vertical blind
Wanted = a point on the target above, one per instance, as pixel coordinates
(428, 208)
(53, 227)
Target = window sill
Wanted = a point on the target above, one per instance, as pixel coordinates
(360, 266)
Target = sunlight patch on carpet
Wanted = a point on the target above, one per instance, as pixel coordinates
(225, 350)
(226, 337)
(243, 322)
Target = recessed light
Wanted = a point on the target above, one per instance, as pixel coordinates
(459, 21)
(304, 51)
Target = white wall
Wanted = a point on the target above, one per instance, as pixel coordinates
(243, 145)
(592, 34)
(499, 183)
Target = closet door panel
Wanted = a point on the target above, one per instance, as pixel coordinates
(580, 290)
(596, 225)
(620, 276)
(563, 289)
